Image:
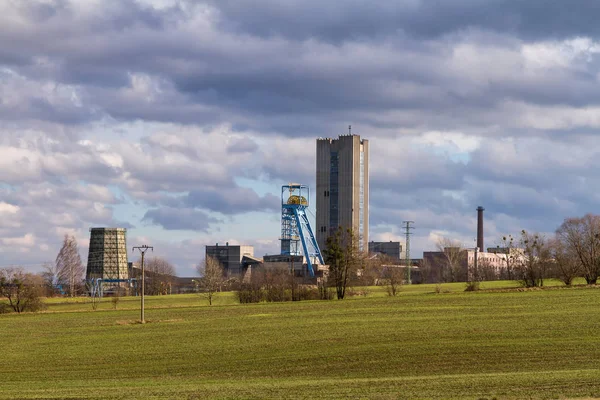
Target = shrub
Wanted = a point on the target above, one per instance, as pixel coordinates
(325, 292)
(472, 286)
(249, 293)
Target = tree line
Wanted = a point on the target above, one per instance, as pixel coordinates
(349, 266)
(65, 276)
(572, 251)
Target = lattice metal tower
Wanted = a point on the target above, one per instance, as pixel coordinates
(407, 232)
(297, 236)
(107, 257)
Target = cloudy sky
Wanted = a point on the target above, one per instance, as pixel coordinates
(180, 120)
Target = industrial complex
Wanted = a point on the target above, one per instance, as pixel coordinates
(341, 199)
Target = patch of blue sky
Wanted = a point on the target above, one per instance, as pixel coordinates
(451, 152)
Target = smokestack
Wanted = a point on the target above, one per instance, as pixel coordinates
(480, 228)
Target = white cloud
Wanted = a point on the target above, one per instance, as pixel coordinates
(27, 240)
(6, 208)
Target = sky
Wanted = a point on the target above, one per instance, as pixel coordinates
(181, 120)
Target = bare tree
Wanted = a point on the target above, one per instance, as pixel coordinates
(50, 275)
(531, 271)
(212, 278)
(426, 270)
(566, 261)
(382, 269)
(159, 276)
(393, 277)
(279, 285)
(453, 255)
(512, 257)
(344, 258)
(22, 290)
(582, 237)
(69, 267)
(486, 271)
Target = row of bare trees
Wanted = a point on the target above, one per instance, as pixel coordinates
(160, 276)
(348, 265)
(23, 291)
(577, 247)
(573, 251)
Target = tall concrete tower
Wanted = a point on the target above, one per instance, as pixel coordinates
(342, 194)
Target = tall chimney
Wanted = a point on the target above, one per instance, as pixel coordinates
(480, 228)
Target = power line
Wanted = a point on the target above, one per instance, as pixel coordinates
(143, 249)
(407, 233)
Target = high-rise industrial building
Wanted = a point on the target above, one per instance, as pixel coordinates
(342, 187)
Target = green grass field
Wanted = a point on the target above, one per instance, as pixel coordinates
(502, 344)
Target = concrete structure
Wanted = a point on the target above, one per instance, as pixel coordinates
(297, 263)
(391, 249)
(342, 187)
(107, 257)
(490, 265)
(287, 262)
(230, 257)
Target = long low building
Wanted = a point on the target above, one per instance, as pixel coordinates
(437, 265)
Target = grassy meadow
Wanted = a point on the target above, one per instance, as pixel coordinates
(420, 344)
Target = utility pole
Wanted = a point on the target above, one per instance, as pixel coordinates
(476, 270)
(143, 249)
(407, 232)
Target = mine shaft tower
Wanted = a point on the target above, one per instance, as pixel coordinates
(295, 226)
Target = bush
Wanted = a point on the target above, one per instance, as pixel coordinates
(472, 286)
(308, 293)
(22, 290)
(352, 292)
(35, 304)
(325, 292)
(249, 293)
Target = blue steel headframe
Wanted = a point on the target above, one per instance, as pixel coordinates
(295, 225)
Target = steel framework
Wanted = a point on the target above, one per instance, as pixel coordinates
(408, 261)
(107, 257)
(295, 225)
(96, 285)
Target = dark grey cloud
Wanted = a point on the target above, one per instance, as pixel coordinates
(235, 200)
(180, 219)
(282, 67)
(355, 20)
(243, 145)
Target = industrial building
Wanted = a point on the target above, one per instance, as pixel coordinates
(296, 263)
(107, 257)
(492, 262)
(342, 187)
(233, 258)
(390, 249)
